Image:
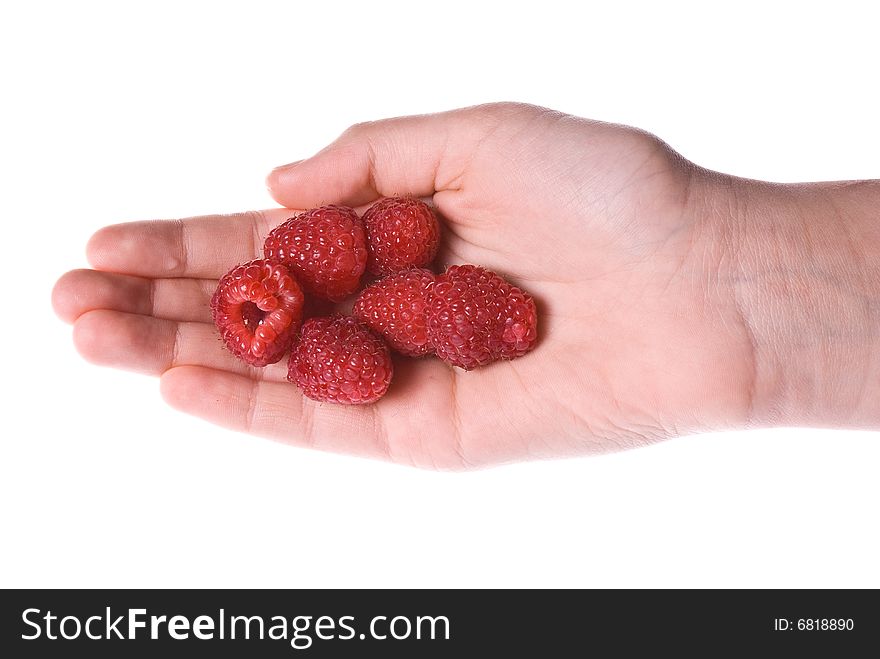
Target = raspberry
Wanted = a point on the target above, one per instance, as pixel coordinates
(395, 308)
(325, 248)
(402, 233)
(475, 317)
(339, 360)
(257, 308)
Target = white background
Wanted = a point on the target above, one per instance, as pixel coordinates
(115, 112)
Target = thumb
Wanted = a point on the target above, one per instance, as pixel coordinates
(417, 155)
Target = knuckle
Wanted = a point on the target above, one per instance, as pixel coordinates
(360, 129)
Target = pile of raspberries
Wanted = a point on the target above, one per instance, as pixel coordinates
(467, 316)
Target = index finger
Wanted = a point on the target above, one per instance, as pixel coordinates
(204, 247)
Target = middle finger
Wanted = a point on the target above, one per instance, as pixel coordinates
(81, 291)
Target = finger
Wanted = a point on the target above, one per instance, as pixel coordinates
(272, 409)
(412, 424)
(79, 291)
(200, 247)
(417, 155)
(152, 345)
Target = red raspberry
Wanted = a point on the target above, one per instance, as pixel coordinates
(402, 232)
(339, 360)
(395, 308)
(325, 248)
(475, 317)
(257, 308)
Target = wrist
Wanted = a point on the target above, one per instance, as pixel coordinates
(800, 265)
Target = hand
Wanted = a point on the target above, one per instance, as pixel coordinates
(598, 222)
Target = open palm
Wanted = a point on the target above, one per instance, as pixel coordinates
(603, 225)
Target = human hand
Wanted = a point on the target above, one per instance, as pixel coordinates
(622, 243)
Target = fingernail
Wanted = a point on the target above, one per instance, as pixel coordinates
(277, 175)
(289, 165)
